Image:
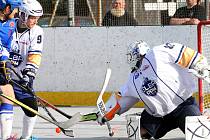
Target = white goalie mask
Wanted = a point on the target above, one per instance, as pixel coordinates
(136, 52)
(30, 8)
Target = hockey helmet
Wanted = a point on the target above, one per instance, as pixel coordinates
(136, 51)
(13, 4)
(30, 8)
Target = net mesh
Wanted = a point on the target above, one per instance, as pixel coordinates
(91, 12)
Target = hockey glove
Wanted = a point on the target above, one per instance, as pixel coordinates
(28, 77)
(201, 67)
(5, 70)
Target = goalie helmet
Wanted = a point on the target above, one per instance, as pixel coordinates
(136, 52)
(30, 8)
(13, 4)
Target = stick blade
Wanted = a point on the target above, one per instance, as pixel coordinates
(75, 119)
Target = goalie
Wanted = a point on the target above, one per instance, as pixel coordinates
(160, 78)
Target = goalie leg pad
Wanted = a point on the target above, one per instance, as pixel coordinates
(197, 128)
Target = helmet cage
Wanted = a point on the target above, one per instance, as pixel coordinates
(136, 51)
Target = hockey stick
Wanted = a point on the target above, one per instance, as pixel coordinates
(62, 125)
(42, 101)
(100, 103)
(86, 117)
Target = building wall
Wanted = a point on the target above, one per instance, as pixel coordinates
(75, 59)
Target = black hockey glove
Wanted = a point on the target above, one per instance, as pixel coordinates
(28, 77)
(5, 70)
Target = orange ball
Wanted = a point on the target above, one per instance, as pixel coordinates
(57, 130)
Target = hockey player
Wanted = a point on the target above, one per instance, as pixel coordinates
(160, 78)
(26, 55)
(8, 8)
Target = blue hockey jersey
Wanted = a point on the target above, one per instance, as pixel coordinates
(7, 28)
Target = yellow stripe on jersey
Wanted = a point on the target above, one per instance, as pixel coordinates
(186, 58)
(34, 59)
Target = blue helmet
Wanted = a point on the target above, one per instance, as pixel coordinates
(13, 3)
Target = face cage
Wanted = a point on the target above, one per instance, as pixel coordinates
(132, 60)
(23, 17)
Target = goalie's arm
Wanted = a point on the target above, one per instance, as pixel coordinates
(117, 104)
(186, 57)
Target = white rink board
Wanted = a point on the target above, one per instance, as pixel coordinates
(76, 58)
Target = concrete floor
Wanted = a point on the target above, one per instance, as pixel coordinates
(85, 130)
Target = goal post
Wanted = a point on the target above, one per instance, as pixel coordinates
(203, 36)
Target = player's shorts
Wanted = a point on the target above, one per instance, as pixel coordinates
(157, 127)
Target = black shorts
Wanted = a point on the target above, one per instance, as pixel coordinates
(157, 127)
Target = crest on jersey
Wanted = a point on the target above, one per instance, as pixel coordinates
(12, 24)
(149, 87)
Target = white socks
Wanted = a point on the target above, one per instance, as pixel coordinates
(6, 120)
(28, 126)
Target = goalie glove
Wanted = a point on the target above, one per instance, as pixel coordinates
(112, 107)
(201, 68)
(101, 120)
(28, 77)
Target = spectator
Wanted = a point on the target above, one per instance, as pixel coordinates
(193, 13)
(118, 16)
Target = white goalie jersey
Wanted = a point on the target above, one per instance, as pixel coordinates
(26, 50)
(163, 81)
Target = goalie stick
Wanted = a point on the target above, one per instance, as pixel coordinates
(82, 118)
(100, 103)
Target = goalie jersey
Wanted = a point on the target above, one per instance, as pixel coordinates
(26, 50)
(163, 81)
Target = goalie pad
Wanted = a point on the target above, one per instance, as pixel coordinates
(133, 126)
(197, 128)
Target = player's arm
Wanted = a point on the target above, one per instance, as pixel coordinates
(188, 58)
(117, 104)
(33, 59)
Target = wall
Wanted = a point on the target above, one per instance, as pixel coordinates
(75, 59)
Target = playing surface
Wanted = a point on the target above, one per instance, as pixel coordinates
(83, 131)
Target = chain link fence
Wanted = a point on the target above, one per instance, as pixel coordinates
(91, 12)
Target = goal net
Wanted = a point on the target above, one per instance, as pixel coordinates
(203, 30)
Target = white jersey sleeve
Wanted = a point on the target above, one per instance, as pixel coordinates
(180, 54)
(35, 48)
